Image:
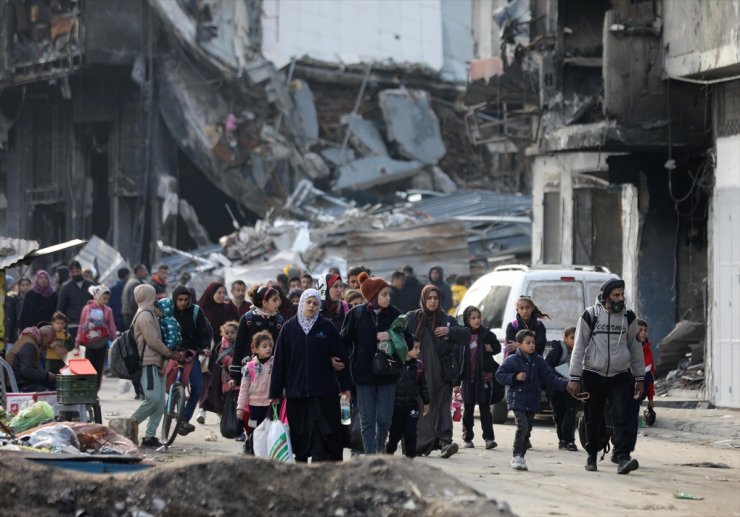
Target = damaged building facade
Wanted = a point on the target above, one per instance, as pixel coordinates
(177, 120)
(632, 107)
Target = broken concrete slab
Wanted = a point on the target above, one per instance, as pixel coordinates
(305, 111)
(434, 179)
(315, 166)
(103, 259)
(412, 123)
(192, 223)
(372, 171)
(333, 155)
(364, 135)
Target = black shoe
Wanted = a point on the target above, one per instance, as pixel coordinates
(200, 420)
(627, 465)
(491, 444)
(151, 442)
(570, 446)
(561, 445)
(185, 428)
(591, 463)
(615, 460)
(449, 449)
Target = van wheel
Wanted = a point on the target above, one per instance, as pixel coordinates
(500, 412)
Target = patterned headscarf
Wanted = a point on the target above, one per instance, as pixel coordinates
(305, 323)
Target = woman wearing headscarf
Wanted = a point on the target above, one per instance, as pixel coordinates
(333, 307)
(40, 302)
(364, 328)
(442, 352)
(303, 375)
(97, 327)
(216, 307)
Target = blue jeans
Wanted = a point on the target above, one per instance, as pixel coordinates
(376, 412)
(196, 390)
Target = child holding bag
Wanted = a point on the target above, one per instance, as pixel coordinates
(254, 391)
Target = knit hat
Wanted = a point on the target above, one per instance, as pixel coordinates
(370, 287)
(608, 286)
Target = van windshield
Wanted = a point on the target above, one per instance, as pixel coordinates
(492, 305)
(563, 301)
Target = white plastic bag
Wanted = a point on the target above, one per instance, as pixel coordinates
(278, 443)
(259, 438)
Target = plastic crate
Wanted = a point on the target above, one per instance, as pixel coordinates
(77, 389)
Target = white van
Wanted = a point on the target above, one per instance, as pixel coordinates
(563, 292)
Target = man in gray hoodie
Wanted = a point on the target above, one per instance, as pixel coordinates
(608, 364)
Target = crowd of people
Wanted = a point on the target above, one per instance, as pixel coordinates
(392, 352)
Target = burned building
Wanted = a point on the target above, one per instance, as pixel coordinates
(633, 125)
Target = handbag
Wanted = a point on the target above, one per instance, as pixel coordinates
(385, 365)
(450, 367)
(231, 426)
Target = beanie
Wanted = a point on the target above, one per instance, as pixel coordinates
(608, 286)
(370, 287)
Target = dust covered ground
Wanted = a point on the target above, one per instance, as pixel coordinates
(237, 485)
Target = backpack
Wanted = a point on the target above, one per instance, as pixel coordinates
(591, 319)
(123, 358)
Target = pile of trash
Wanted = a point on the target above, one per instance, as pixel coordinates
(681, 358)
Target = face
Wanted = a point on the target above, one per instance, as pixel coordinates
(641, 333)
(295, 299)
(305, 283)
(570, 341)
(295, 284)
(474, 320)
(142, 273)
(384, 297)
(335, 291)
(434, 275)
(432, 302)
(272, 304)
(88, 275)
(182, 301)
(163, 274)
(59, 325)
(397, 282)
(527, 346)
(616, 300)
(24, 286)
(353, 283)
(230, 333)
(238, 292)
(524, 309)
(219, 295)
(354, 302)
(310, 307)
(104, 299)
(414, 352)
(75, 273)
(264, 349)
(43, 281)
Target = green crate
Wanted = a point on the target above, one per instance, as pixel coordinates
(77, 389)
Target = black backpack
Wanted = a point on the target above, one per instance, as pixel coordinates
(123, 358)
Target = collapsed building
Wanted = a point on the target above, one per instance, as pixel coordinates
(630, 113)
(174, 120)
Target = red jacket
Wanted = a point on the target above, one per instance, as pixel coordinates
(649, 368)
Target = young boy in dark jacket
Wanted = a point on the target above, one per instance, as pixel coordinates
(410, 386)
(563, 405)
(478, 377)
(524, 372)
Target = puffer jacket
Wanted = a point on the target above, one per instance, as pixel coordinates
(525, 395)
(610, 348)
(146, 329)
(169, 326)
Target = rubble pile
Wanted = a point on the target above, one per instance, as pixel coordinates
(218, 487)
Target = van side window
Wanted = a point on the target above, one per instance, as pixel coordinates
(563, 301)
(493, 305)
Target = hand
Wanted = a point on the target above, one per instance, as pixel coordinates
(441, 331)
(232, 384)
(650, 405)
(176, 356)
(639, 389)
(489, 349)
(207, 352)
(573, 388)
(425, 410)
(383, 336)
(521, 376)
(511, 346)
(240, 414)
(347, 394)
(336, 363)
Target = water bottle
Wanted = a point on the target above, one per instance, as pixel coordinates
(344, 410)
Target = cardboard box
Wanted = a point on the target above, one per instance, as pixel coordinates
(17, 401)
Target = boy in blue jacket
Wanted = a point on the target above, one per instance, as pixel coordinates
(524, 372)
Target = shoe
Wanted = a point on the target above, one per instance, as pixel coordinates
(570, 446)
(241, 438)
(151, 442)
(491, 444)
(449, 449)
(562, 445)
(468, 445)
(518, 463)
(185, 428)
(201, 417)
(627, 465)
(138, 397)
(615, 460)
(591, 463)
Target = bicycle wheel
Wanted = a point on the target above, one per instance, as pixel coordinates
(173, 413)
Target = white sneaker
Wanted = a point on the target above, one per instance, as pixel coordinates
(518, 463)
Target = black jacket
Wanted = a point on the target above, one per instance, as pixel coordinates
(540, 332)
(13, 308)
(195, 330)
(249, 325)
(72, 299)
(445, 291)
(360, 337)
(412, 384)
(37, 308)
(302, 366)
(454, 344)
(410, 295)
(555, 356)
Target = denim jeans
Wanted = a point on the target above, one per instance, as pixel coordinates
(376, 412)
(195, 380)
(153, 406)
(524, 421)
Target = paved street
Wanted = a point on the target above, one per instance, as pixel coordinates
(556, 483)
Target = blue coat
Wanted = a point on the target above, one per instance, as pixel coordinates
(525, 395)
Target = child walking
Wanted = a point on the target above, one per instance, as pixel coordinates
(225, 352)
(254, 391)
(528, 317)
(563, 405)
(524, 372)
(478, 377)
(649, 390)
(410, 386)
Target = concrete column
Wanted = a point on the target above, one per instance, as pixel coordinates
(630, 243)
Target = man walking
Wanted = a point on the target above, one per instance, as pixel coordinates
(73, 296)
(128, 302)
(238, 297)
(608, 364)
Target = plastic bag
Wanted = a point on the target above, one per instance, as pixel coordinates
(59, 438)
(259, 438)
(231, 426)
(278, 441)
(396, 332)
(32, 416)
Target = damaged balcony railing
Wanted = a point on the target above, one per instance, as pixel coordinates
(483, 128)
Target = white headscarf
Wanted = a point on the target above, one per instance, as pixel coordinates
(305, 323)
(97, 291)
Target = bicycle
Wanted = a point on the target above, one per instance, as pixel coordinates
(176, 400)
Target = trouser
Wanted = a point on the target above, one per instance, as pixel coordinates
(618, 390)
(153, 406)
(403, 425)
(257, 415)
(97, 357)
(376, 411)
(195, 381)
(564, 409)
(137, 387)
(524, 421)
(484, 408)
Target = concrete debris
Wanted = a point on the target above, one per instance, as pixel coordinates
(102, 259)
(305, 111)
(435, 180)
(672, 351)
(364, 135)
(192, 224)
(412, 124)
(333, 155)
(372, 171)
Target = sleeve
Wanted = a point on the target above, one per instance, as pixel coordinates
(243, 399)
(83, 321)
(240, 348)
(637, 363)
(204, 332)
(582, 339)
(549, 377)
(147, 325)
(349, 328)
(492, 340)
(506, 372)
(424, 389)
(458, 333)
(337, 349)
(540, 338)
(63, 300)
(277, 379)
(28, 365)
(553, 356)
(110, 322)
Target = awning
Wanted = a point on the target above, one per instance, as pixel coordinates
(16, 251)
